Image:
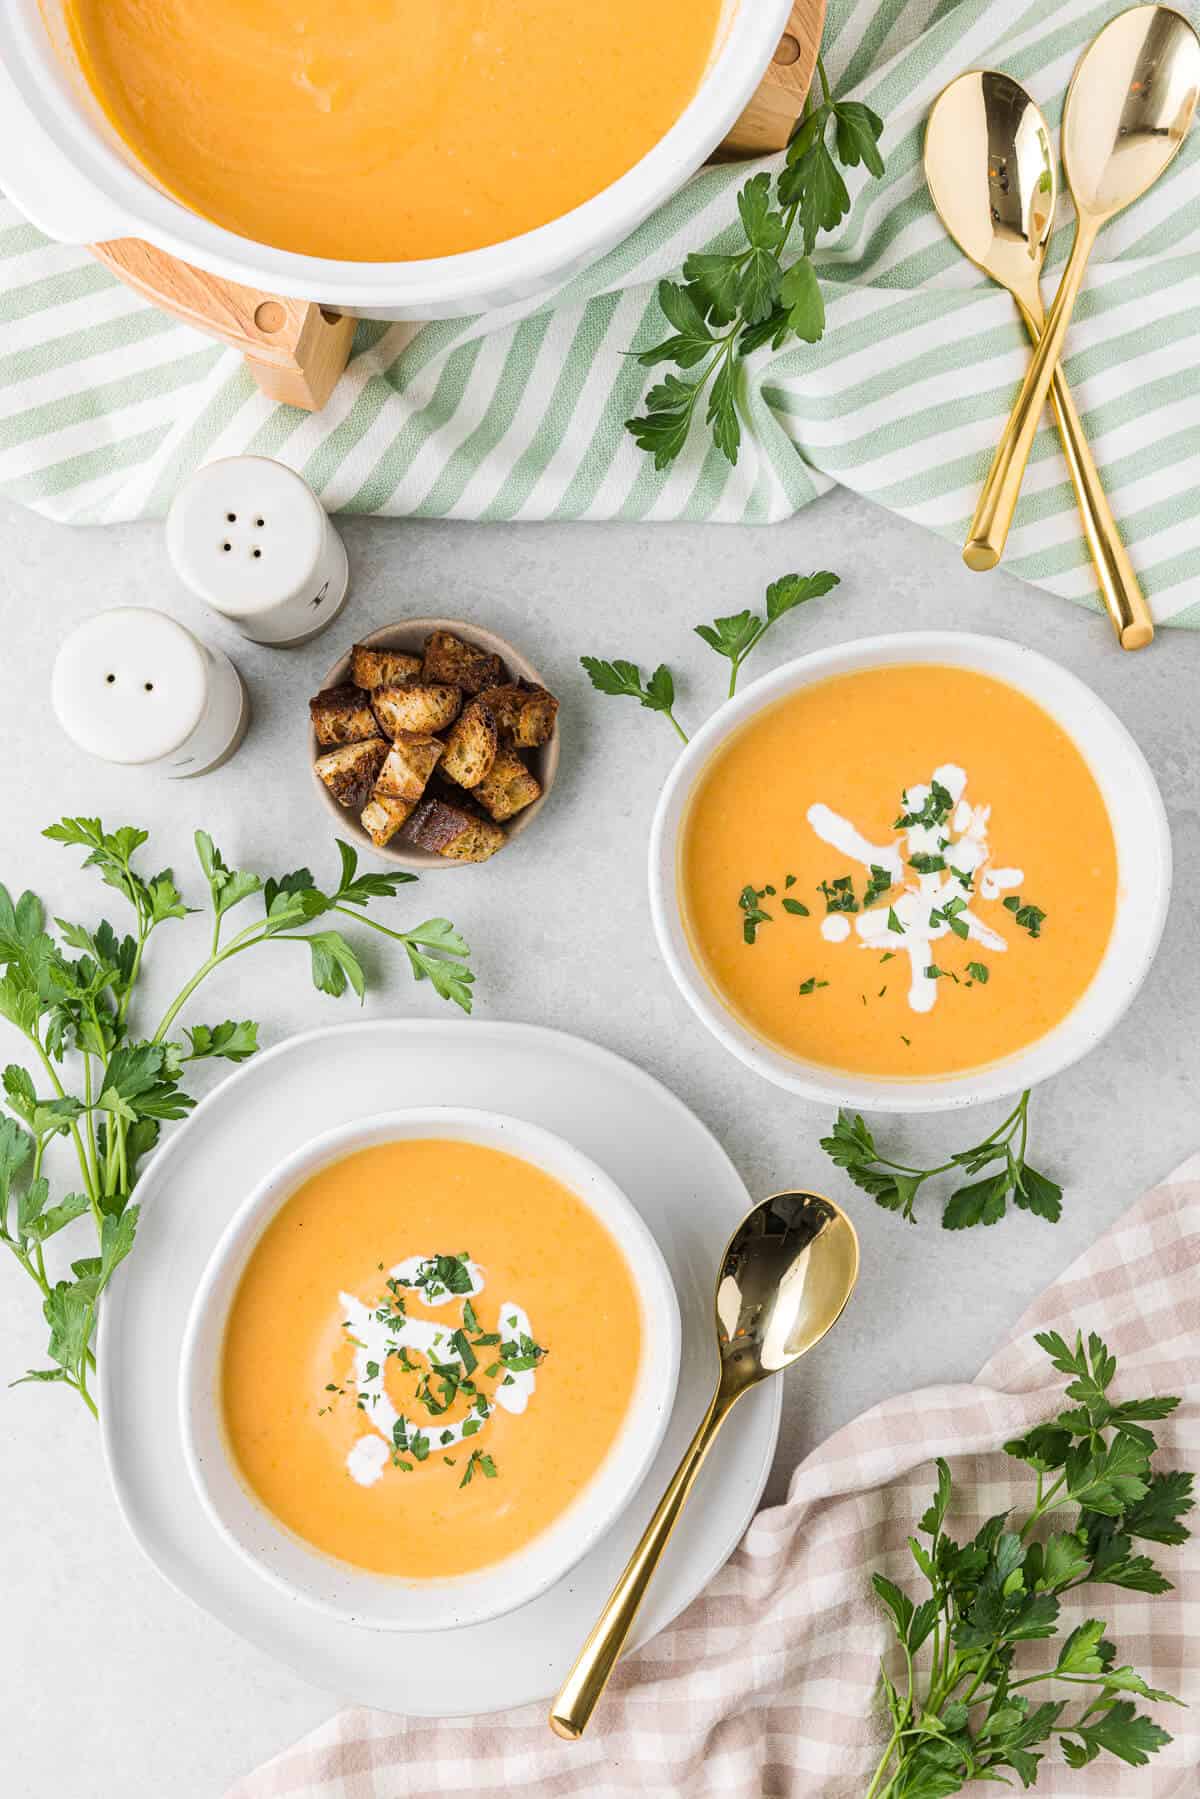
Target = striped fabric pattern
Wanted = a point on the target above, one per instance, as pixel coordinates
(767, 1687)
(106, 405)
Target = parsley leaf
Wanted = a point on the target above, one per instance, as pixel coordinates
(732, 303)
(625, 678)
(736, 636)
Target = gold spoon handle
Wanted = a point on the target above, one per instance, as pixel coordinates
(583, 1686)
(1001, 490)
(1119, 585)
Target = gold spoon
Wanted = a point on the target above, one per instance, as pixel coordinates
(786, 1274)
(1126, 114)
(991, 172)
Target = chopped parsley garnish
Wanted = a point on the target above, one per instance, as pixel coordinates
(926, 863)
(440, 1275)
(789, 881)
(881, 882)
(948, 915)
(485, 1465)
(894, 924)
(1030, 918)
(839, 894)
(934, 973)
(794, 906)
(811, 985)
(748, 900)
(978, 971)
(521, 1354)
(939, 804)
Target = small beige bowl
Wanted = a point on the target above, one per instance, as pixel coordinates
(409, 636)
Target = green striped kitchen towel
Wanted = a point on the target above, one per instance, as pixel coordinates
(105, 405)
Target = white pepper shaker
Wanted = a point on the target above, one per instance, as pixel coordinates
(136, 687)
(251, 539)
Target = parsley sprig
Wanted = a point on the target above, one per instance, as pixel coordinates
(959, 1711)
(625, 678)
(731, 304)
(733, 637)
(895, 1185)
(79, 1005)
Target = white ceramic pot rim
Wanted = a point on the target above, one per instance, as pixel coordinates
(1139, 824)
(126, 203)
(393, 1603)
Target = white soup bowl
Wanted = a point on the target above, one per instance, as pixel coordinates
(387, 1602)
(1139, 825)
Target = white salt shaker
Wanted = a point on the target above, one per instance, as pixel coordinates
(251, 539)
(134, 686)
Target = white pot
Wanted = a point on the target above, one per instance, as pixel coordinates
(1140, 829)
(68, 171)
(384, 1602)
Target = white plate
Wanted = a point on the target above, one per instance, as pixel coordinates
(668, 1164)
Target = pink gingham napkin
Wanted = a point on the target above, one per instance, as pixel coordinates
(767, 1684)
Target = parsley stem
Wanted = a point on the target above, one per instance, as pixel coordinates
(873, 1790)
(825, 88)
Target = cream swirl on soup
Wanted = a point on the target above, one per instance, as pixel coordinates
(461, 1363)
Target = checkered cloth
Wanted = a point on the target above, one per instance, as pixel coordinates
(768, 1684)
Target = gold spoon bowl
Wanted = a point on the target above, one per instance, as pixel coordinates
(784, 1280)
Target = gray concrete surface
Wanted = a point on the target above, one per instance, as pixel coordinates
(111, 1687)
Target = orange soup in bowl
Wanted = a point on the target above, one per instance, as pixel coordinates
(388, 130)
(907, 870)
(430, 1352)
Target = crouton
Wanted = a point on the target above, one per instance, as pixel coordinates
(349, 771)
(342, 715)
(382, 668)
(383, 816)
(453, 831)
(422, 707)
(526, 714)
(508, 787)
(470, 746)
(410, 762)
(448, 658)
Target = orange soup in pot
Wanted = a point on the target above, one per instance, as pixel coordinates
(905, 871)
(431, 1351)
(390, 130)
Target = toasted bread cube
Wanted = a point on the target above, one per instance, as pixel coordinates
(349, 771)
(526, 714)
(453, 832)
(508, 787)
(410, 762)
(421, 708)
(383, 816)
(382, 668)
(342, 715)
(471, 746)
(448, 658)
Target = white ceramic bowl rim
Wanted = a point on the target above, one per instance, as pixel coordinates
(126, 202)
(1135, 811)
(392, 1602)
